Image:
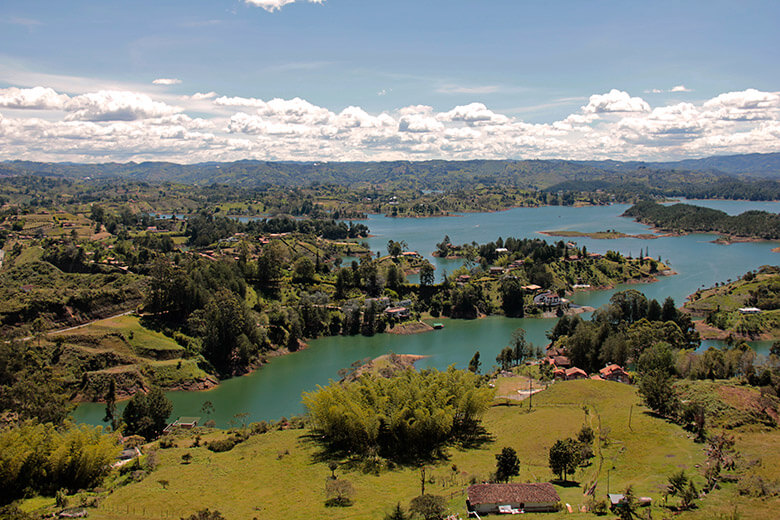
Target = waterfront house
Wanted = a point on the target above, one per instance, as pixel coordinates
(549, 299)
(398, 312)
(524, 498)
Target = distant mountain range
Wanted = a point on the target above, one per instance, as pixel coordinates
(422, 175)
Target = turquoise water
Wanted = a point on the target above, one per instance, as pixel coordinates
(275, 390)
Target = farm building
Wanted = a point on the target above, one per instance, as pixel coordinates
(532, 497)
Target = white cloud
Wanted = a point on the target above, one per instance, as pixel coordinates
(111, 105)
(200, 96)
(275, 5)
(120, 125)
(675, 89)
(419, 123)
(474, 113)
(746, 105)
(40, 98)
(615, 101)
(166, 81)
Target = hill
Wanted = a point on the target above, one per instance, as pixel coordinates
(436, 174)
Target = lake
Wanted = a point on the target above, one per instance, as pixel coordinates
(275, 390)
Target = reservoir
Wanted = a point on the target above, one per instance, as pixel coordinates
(275, 390)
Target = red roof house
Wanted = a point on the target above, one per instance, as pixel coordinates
(614, 372)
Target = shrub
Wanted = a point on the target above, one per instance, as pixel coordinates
(222, 445)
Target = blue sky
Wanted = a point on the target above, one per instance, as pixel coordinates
(529, 64)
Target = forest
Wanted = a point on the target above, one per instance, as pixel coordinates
(690, 218)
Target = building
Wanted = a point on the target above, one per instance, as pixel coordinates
(548, 298)
(496, 270)
(614, 373)
(531, 287)
(749, 310)
(574, 373)
(186, 423)
(532, 497)
(398, 312)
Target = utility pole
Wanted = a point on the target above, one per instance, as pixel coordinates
(530, 393)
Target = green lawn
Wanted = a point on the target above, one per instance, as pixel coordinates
(275, 475)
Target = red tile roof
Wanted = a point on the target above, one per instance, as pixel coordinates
(543, 492)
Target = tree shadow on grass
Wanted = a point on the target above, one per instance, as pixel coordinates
(565, 483)
(323, 452)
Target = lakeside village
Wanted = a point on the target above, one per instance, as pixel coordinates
(620, 409)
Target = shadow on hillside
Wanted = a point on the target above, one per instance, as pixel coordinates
(565, 483)
(376, 461)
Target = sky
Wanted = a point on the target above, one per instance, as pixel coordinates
(335, 80)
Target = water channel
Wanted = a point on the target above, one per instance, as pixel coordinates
(275, 390)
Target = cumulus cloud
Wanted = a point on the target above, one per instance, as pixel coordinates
(113, 105)
(746, 105)
(419, 123)
(275, 5)
(108, 125)
(39, 98)
(615, 101)
(166, 81)
(473, 113)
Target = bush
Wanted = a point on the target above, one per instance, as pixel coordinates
(222, 445)
(753, 485)
(421, 412)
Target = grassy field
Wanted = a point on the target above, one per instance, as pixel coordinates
(277, 475)
(127, 351)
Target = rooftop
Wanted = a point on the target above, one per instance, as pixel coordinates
(512, 493)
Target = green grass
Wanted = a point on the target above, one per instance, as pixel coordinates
(171, 372)
(145, 342)
(259, 473)
(29, 254)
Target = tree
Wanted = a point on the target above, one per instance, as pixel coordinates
(626, 508)
(303, 270)
(147, 415)
(564, 457)
(505, 357)
(683, 487)
(507, 465)
(205, 514)
(668, 310)
(475, 363)
(658, 393)
(512, 297)
(397, 513)
(339, 493)
(430, 507)
(230, 336)
(426, 274)
(521, 348)
(396, 248)
(110, 416)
